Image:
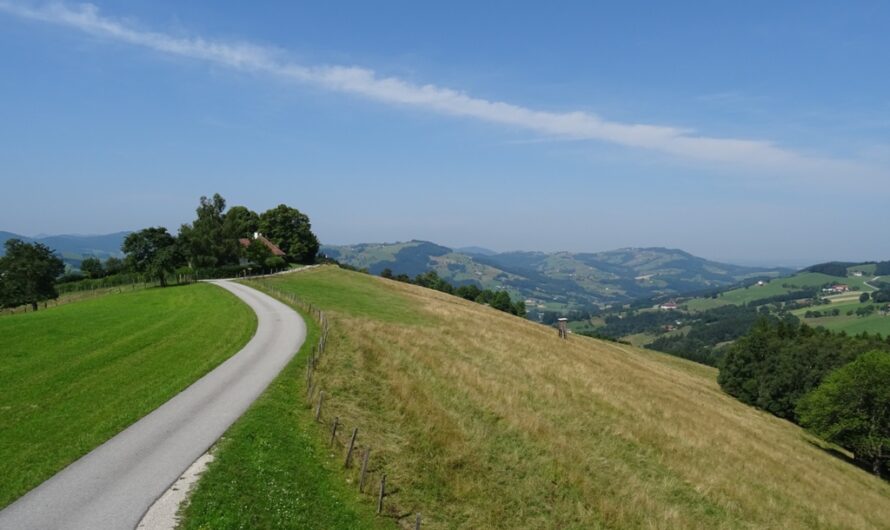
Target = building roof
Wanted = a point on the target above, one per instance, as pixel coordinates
(273, 248)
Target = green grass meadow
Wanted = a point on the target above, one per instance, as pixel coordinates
(852, 324)
(75, 375)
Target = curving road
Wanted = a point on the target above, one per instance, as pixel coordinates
(112, 486)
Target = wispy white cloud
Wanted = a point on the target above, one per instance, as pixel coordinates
(681, 142)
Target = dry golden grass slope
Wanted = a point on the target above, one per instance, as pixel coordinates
(484, 420)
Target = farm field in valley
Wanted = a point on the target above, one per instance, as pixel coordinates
(774, 287)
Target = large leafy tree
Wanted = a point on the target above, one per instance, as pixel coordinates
(239, 222)
(852, 408)
(27, 274)
(204, 241)
(152, 251)
(291, 230)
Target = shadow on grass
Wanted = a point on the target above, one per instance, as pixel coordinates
(840, 455)
(171, 285)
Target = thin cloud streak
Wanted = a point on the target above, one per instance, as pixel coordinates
(684, 143)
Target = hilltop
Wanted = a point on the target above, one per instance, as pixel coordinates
(484, 420)
(559, 280)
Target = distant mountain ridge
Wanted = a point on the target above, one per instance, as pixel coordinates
(73, 248)
(558, 279)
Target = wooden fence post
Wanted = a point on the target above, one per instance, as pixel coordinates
(318, 409)
(349, 450)
(334, 429)
(382, 493)
(361, 475)
(309, 370)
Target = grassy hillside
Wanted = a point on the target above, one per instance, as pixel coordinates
(558, 280)
(75, 375)
(483, 420)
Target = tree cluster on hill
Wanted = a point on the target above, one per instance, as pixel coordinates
(210, 244)
(620, 325)
(818, 314)
(551, 317)
(94, 268)
(775, 364)
(882, 295)
(801, 294)
(710, 330)
(499, 300)
(832, 268)
(828, 382)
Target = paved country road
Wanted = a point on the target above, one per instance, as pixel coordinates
(114, 485)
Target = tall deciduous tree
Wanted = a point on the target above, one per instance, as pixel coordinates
(291, 230)
(27, 274)
(152, 251)
(852, 408)
(204, 241)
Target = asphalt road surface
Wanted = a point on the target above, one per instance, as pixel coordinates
(114, 485)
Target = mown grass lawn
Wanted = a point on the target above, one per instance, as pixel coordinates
(73, 376)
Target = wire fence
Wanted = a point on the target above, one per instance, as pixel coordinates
(356, 457)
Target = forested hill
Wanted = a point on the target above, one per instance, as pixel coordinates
(555, 280)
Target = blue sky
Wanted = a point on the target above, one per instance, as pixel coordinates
(750, 132)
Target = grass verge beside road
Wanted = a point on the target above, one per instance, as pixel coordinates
(273, 468)
(75, 375)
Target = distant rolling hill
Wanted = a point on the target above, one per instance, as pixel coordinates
(74, 248)
(555, 280)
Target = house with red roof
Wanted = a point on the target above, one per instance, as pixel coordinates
(273, 248)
